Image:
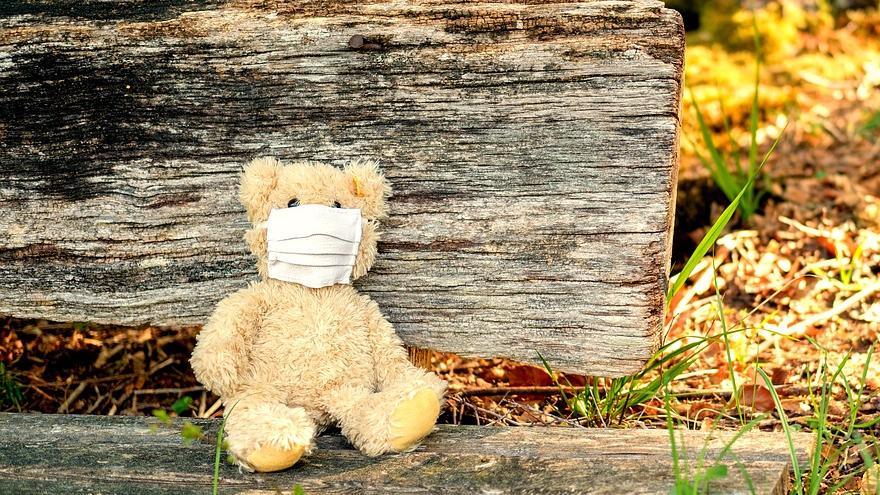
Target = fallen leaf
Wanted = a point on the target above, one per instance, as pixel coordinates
(758, 397)
(828, 244)
(527, 375)
(779, 376)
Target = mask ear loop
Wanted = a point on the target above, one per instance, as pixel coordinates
(262, 225)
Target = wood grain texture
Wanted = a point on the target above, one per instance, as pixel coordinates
(532, 148)
(109, 455)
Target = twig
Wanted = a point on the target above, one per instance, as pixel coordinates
(499, 417)
(87, 381)
(457, 411)
(72, 397)
(116, 402)
(97, 403)
(44, 394)
(161, 391)
(786, 390)
(161, 365)
(106, 354)
(496, 391)
(801, 327)
(532, 410)
(703, 394)
(210, 412)
(810, 231)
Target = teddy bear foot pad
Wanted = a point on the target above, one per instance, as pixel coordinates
(269, 458)
(413, 419)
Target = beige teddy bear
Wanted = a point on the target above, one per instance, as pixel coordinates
(301, 349)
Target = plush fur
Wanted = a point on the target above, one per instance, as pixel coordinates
(288, 360)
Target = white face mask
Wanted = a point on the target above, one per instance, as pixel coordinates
(313, 245)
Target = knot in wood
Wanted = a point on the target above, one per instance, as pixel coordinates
(358, 42)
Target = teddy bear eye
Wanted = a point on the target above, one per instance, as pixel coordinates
(337, 204)
(293, 202)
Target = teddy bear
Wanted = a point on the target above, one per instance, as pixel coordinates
(301, 349)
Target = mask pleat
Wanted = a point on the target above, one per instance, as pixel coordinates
(311, 259)
(314, 245)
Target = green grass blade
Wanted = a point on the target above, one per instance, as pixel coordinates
(670, 427)
(704, 245)
(218, 449)
(717, 166)
(736, 152)
(727, 451)
(726, 336)
(786, 427)
(10, 390)
(871, 124)
(716, 229)
(721, 177)
(854, 408)
(549, 371)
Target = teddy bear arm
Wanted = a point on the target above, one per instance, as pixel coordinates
(221, 350)
(390, 359)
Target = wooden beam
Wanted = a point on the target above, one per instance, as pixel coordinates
(532, 148)
(52, 454)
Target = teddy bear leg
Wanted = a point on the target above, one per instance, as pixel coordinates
(266, 435)
(395, 419)
(420, 395)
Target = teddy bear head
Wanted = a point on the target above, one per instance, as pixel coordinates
(268, 184)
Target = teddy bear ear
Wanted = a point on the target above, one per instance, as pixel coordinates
(258, 180)
(367, 184)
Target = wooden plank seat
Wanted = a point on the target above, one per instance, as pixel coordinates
(123, 455)
(533, 152)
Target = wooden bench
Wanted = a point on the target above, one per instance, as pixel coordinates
(532, 149)
(122, 455)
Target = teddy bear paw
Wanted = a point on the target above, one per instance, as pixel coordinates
(269, 437)
(270, 458)
(413, 419)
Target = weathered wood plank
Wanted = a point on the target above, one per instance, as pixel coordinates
(532, 149)
(88, 454)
